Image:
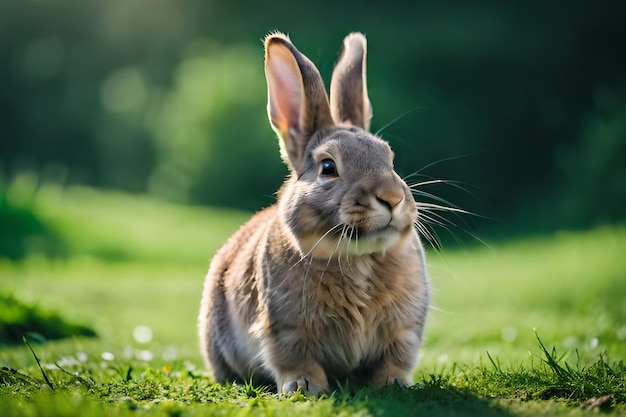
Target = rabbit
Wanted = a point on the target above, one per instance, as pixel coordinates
(329, 284)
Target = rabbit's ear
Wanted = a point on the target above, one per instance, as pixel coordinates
(297, 103)
(349, 102)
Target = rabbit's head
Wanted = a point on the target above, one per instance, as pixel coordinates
(343, 197)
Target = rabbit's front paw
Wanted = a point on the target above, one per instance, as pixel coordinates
(303, 384)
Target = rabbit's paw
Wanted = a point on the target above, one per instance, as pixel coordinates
(303, 384)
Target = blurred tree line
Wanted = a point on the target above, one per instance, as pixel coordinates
(524, 100)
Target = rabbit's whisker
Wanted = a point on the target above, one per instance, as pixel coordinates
(432, 218)
(439, 207)
(428, 234)
(451, 158)
(352, 230)
(304, 256)
(461, 186)
(379, 131)
(436, 218)
(430, 211)
(332, 254)
(341, 238)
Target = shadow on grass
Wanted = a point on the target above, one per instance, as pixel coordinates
(427, 400)
(19, 319)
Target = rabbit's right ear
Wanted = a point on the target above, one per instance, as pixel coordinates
(297, 104)
(349, 101)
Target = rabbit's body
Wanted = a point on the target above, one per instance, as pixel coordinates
(329, 284)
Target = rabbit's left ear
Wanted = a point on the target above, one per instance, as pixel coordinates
(297, 103)
(349, 102)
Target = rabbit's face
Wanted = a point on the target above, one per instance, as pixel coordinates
(347, 200)
(343, 197)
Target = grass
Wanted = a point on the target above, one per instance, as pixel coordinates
(138, 264)
(130, 386)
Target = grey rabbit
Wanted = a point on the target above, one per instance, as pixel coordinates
(329, 284)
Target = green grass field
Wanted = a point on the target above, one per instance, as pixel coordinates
(134, 268)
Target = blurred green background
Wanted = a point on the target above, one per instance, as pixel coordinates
(524, 103)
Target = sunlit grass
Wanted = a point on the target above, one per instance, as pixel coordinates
(571, 286)
(115, 226)
(84, 385)
(116, 298)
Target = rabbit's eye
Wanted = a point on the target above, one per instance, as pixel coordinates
(328, 167)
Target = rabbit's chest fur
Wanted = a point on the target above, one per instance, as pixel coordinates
(342, 318)
(345, 311)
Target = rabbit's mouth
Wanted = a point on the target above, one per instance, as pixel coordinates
(358, 233)
(359, 241)
(344, 240)
(373, 227)
(367, 242)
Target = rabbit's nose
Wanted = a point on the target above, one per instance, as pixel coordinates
(390, 198)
